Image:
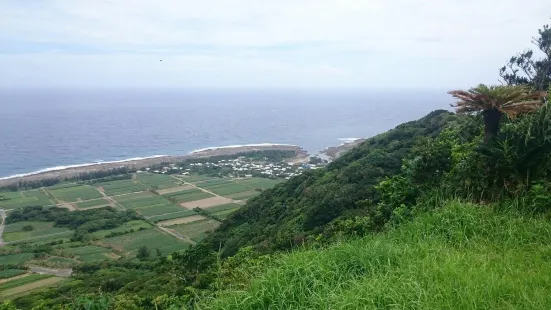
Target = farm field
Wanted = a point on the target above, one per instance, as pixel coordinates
(148, 204)
(75, 193)
(224, 213)
(196, 178)
(255, 183)
(128, 226)
(92, 203)
(170, 216)
(225, 207)
(15, 200)
(33, 282)
(188, 195)
(121, 187)
(55, 262)
(15, 232)
(157, 181)
(182, 220)
(89, 253)
(243, 195)
(151, 238)
(9, 273)
(196, 231)
(226, 188)
(15, 259)
(207, 203)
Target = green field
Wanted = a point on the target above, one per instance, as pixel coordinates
(135, 225)
(14, 200)
(244, 195)
(229, 206)
(75, 193)
(148, 204)
(121, 187)
(196, 178)
(23, 281)
(188, 195)
(89, 253)
(55, 262)
(171, 216)
(15, 259)
(224, 214)
(151, 238)
(227, 188)
(92, 203)
(14, 232)
(196, 231)
(9, 273)
(255, 183)
(213, 182)
(158, 181)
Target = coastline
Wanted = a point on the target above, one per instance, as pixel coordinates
(335, 152)
(138, 163)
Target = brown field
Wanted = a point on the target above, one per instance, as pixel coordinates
(23, 289)
(206, 203)
(182, 220)
(174, 189)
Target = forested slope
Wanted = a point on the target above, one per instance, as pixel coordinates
(293, 211)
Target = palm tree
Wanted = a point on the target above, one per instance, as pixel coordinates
(494, 101)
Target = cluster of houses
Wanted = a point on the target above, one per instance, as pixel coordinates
(239, 167)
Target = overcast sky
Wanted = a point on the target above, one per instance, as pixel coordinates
(262, 43)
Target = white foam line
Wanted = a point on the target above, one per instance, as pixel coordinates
(237, 146)
(57, 168)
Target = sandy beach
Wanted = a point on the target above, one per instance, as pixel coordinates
(64, 173)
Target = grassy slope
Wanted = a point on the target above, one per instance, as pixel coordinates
(460, 257)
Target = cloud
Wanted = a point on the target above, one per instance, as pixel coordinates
(328, 42)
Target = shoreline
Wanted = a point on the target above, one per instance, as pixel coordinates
(63, 172)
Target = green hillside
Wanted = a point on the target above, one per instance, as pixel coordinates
(460, 257)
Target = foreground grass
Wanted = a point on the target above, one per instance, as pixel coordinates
(461, 257)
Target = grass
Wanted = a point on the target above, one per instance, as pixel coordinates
(18, 226)
(14, 200)
(135, 225)
(121, 187)
(196, 231)
(92, 203)
(151, 238)
(196, 178)
(159, 210)
(10, 273)
(23, 281)
(170, 216)
(460, 257)
(75, 193)
(188, 195)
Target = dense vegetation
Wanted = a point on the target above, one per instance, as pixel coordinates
(448, 211)
(82, 222)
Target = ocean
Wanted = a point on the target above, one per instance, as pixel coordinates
(49, 129)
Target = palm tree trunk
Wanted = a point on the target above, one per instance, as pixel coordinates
(492, 119)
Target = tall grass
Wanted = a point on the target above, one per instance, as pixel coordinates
(462, 256)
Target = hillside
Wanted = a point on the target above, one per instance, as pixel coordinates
(462, 256)
(292, 212)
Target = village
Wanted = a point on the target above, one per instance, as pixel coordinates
(241, 167)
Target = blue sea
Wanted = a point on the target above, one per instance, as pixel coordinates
(41, 129)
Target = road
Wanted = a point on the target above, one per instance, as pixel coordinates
(54, 272)
(3, 215)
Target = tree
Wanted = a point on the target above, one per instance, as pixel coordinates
(143, 253)
(494, 101)
(525, 69)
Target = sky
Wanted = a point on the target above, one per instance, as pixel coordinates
(319, 44)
